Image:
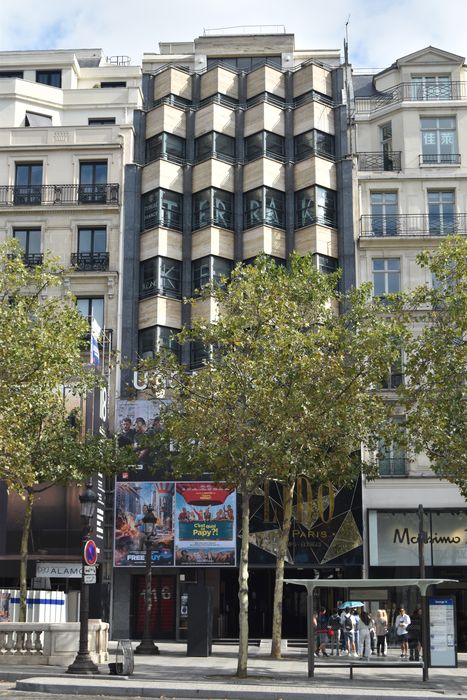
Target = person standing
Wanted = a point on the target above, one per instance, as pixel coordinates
(381, 626)
(364, 642)
(401, 624)
(322, 632)
(415, 634)
(349, 624)
(335, 630)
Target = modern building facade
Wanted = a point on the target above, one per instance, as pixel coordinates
(411, 167)
(66, 133)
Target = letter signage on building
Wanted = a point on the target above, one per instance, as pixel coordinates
(393, 538)
(58, 570)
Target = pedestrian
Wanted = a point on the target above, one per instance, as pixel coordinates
(322, 633)
(415, 634)
(401, 624)
(349, 624)
(364, 642)
(335, 630)
(381, 627)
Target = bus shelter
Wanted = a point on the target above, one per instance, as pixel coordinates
(422, 584)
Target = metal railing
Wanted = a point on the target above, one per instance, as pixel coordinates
(393, 467)
(379, 162)
(58, 195)
(412, 225)
(90, 262)
(412, 92)
(440, 158)
(29, 259)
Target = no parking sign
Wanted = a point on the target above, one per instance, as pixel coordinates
(90, 553)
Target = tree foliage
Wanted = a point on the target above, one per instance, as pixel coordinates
(285, 386)
(434, 396)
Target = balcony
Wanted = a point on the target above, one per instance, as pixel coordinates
(412, 92)
(29, 259)
(393, 467)
(58, 195)
(90, 262)
(380, 162)
(412, 225)
(440, 158)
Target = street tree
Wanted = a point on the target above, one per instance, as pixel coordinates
(434, 395)
(43, 343)
(284, 390)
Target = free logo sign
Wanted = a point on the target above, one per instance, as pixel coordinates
(90, 553)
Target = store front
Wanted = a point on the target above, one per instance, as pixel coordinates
(393, 551)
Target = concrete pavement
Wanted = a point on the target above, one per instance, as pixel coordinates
(173, 674)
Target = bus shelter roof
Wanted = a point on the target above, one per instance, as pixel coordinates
(421, 583)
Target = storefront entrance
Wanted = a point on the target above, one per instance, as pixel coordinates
(162, 620)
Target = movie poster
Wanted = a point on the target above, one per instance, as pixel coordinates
(205, 524)
(131, 501)
(195, 523)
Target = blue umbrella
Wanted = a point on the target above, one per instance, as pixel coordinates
(352, 604)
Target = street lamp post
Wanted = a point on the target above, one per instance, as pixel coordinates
(83, 664)
(146, 645)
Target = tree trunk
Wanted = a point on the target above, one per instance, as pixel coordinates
(243, 586)
(288, 491)
(23, 567)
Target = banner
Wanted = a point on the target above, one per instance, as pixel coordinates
(195, 523)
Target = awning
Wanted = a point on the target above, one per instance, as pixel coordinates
(34, 119)
(420, 583)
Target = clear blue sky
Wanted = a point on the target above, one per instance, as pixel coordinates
(379, 32)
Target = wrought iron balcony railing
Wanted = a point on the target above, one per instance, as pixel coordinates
(393, 467)
(58, 195)
(440, 158)
(412, 92)
(412, 225)
(380, 162)
(90, 262)
(29, 259)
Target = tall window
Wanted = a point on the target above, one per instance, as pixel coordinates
(264, 143)
(215, 145)
(91, 308)
(28, 183)
(431, 87)
(385, 132)
(160, 276)
(212, 206)
(165, 145)
(315, 205)
(384, 221)
(30, 242)
(392, 457)
(395, 376)
(49, 77)
(313, 142)
(264, 206)
(386, 276)
(441, 213)
(93, 182)
(209, 269)
(92, 249)
(439, 140)
(151, 340)
(161, 208)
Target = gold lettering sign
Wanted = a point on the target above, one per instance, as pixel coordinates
(305, 503)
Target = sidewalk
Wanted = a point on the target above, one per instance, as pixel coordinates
(173, 674)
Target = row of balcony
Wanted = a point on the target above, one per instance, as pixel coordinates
(413, 91)
(57, 195)
(391, 161)
(412, 225)
(83, 262)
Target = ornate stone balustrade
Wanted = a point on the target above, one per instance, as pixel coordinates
(50, 643)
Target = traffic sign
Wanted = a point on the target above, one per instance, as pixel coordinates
(89, 578)
(88, 570)
(90, 553)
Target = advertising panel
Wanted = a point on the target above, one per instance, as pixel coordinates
(442, 632)
(4, 606)
(195, 523)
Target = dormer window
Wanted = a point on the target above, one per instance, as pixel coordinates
(431, 87)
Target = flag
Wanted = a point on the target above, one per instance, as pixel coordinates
(95, 334)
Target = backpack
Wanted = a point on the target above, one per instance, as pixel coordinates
(348, 623)
(335, 622)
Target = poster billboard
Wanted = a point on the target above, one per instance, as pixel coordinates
(442, 632)
(195, 523)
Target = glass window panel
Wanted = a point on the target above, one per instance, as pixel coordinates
(254, 146)
(92, 308)
(221, 268)
(222, 208)
(224, 145)
(201, 274)
(305, 207)
(324, 143)
(304, 144)
(201, 209)
(154, 147)
(148, 284)
(150, 209)
(204, 146)
(49, 77)
(326, 206)
(174, 146)
(274, 144)
(85, 241)
(170, 277)
(274, 210)
(253, 207)
(171, 209)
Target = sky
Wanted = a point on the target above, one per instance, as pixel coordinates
(380, 31)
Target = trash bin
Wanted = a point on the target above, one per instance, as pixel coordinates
(124, 659)
(199, 633)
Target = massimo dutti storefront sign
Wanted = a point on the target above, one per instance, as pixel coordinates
(393, 538)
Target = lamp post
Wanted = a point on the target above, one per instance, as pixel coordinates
(146, 645)
(83, 664)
